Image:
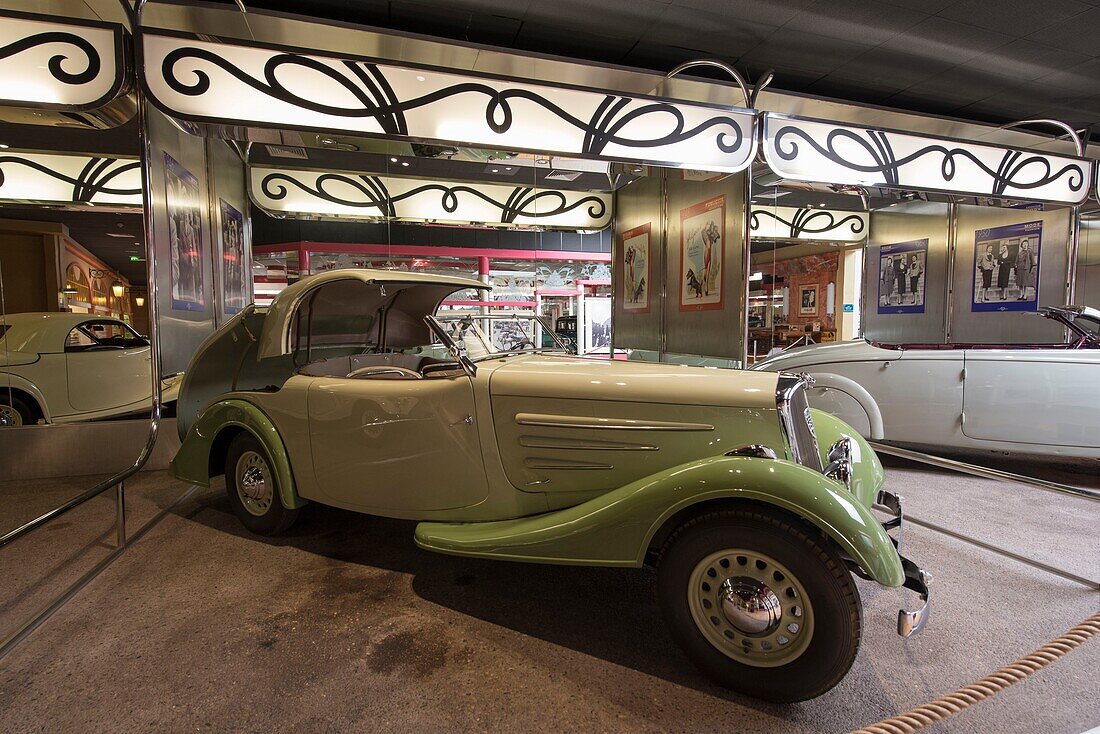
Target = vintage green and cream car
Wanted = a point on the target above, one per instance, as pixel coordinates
(755, 510)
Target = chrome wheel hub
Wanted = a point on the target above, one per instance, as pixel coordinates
(750, 607)
(9, 416)
(254, 485)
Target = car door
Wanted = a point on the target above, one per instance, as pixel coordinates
(1033, 396)
(392, 444)
(106, 366)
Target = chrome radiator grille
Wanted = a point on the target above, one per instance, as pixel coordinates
(796, 420)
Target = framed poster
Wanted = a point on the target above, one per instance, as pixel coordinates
(186, 249)
(901, 285)
(636, 272)
(702, 229)
(1006, 267)
(234, 268)
(807, 300)
(597, 324)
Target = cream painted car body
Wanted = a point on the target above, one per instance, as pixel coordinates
(1031, 400)
(68, 386)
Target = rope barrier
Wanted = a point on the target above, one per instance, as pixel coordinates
(953, 703)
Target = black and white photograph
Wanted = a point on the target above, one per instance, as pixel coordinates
(185, 237)
(902, 277)
(1006, 267)
(235, 270)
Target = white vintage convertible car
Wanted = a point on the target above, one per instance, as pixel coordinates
(65, 367)
(1039, 399)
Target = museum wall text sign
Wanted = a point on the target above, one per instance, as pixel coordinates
(79, 180)
(818, 150)
(375, 196)
(48, 63)
(227, 84)
(792, 223)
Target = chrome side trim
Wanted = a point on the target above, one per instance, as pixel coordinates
(576, 444)
(612, 424)
(566, 464)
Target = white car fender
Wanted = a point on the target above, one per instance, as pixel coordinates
(857, 392)
(16, 382)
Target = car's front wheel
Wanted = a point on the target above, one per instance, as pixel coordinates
(252, 488)
(760, 604)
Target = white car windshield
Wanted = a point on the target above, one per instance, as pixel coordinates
(483, 336)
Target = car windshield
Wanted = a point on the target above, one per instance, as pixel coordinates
(483, 336)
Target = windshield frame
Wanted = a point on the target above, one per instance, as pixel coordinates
(436, 321)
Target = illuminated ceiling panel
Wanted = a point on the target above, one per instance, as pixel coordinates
(818, 150)
(284, 88)
(76, 180)
(791, 223)
(47, 63)
(374, 196)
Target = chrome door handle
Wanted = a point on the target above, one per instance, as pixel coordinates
(465, 421)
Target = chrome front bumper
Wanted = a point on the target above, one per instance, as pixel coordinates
(916, 578)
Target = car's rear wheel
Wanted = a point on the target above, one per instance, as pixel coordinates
(253, 488)
(760, 604)
(15, 411)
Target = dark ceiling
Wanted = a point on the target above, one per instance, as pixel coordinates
(985, 60)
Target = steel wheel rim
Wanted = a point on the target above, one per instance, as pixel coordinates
(9, 416)
(782, 639)
(254, 486)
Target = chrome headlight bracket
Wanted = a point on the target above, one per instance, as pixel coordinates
(839, 467)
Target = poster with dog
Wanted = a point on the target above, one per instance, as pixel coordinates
(702, 228)
(636, 275)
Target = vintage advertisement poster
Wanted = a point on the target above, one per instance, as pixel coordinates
(235, 270)
(807, 300)
(702, 229)
(636, 272)
(901, 284)
(1006, 267)
(185, 240)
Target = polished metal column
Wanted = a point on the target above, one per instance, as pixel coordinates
(120, 514)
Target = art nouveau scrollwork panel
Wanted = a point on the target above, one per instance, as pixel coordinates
(819, 150)
(49, 64)
(74, 179)
(785, 222)
(374, 196)
(288, 88)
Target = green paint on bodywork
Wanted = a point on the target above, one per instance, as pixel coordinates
(615, 529)
(192, 461)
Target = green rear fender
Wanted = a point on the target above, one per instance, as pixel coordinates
(192, 461)
(615, 529)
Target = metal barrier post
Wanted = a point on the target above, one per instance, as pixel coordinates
(120, 513)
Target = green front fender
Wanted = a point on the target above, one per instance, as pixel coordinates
(615, 529)
(192, 461)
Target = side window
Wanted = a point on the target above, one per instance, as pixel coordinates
(103, 334)
(78, 340)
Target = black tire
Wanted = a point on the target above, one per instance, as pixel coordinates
(834, 615)
(16, 410)
(268, 517)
